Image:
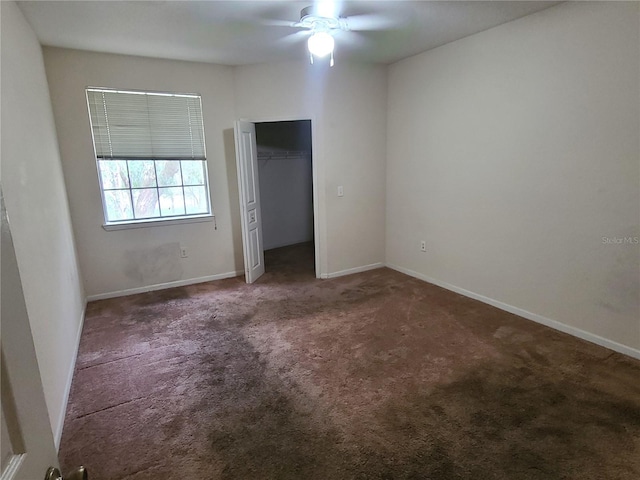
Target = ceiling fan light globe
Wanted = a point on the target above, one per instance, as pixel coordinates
(321, 44)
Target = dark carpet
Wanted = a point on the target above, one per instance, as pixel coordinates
(372, 376)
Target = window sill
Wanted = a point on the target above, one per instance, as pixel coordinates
(158, 223)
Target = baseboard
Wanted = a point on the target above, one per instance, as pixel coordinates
(57, 436)
(576, 332)
(162, 286)
(350, 271)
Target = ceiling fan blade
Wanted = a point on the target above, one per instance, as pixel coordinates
(271, 22)
(373, 21)
(293, 38)
(352, 40)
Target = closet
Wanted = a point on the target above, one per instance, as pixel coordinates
(286, 182)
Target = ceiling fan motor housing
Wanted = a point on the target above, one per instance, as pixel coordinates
(318, 23)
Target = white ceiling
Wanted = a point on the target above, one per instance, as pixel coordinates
(244, 32)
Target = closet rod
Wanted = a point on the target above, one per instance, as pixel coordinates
(284, 155)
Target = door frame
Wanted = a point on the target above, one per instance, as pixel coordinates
(318, 236)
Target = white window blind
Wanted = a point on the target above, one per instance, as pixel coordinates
(150, 155)
(146, 126)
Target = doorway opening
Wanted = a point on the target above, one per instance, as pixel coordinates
(285, 173)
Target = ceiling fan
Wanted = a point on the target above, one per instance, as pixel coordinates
(321, 24)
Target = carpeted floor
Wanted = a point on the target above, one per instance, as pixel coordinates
(371, 376)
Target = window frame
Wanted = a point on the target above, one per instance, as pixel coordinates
(161, 220)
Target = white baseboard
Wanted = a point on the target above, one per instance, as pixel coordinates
(350, 271)
(162, 286)
(576, 332)
(57, 435)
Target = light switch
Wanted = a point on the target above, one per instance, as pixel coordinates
(340, 191)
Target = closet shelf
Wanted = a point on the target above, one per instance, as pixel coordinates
(283, 155)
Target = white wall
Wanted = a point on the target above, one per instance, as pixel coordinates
(113, 261)
(346, 104)
(36, 203)
(513, 152)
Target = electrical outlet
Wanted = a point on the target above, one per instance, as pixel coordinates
(423, 246)
(183, 252)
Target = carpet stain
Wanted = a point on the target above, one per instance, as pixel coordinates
(505, 423)
(371, 376)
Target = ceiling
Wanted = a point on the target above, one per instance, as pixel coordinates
(245, 32)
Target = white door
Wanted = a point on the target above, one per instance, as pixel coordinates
(249, 191)
(27, 441)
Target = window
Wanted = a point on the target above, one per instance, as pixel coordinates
(150, 155)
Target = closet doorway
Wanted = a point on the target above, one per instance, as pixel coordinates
(285, 173)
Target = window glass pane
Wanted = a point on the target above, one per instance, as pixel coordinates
(145, 203)
(168, 173)
(118, 205)
(193, 172)
(195, 200)
(142, 173)
(113, 174)
(171, 201)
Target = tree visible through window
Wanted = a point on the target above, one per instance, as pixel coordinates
(150, 153)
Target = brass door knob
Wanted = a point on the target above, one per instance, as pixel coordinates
(53, 474)
(79, 473)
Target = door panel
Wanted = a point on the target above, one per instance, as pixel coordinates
(249, 191)
(248, 147)
(254, 244)
(25, 420)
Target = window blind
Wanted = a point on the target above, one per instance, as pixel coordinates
(146, 126)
